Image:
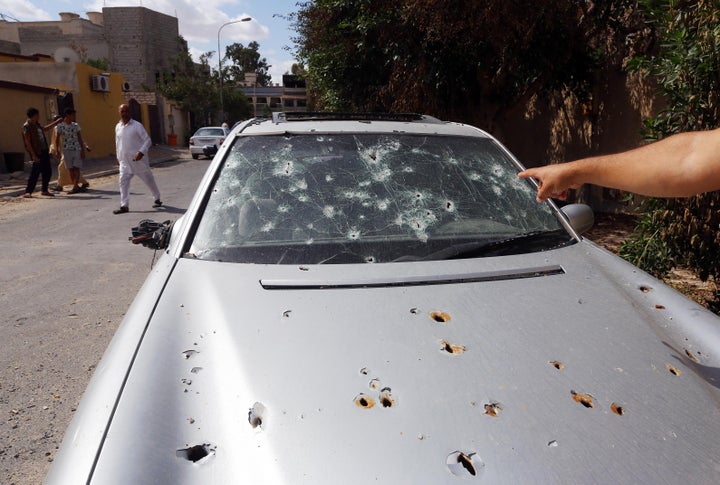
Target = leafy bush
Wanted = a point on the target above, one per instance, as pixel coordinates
(686, 67)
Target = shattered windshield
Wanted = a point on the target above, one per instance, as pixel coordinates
(352, 198)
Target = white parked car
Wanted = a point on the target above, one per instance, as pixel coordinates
(380, 299)
(207, 140)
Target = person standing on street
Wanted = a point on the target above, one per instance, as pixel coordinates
(63, 173)
(37, 146)
(132, 145)
(73, 147)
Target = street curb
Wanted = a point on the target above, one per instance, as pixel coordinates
(104, 173)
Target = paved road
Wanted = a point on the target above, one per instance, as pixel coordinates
(67, 276)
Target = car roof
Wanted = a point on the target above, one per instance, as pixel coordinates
(331, 122)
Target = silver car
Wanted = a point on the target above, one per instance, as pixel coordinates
(207, 140)
(380, 299)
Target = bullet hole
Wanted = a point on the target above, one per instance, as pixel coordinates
(255, 415)
(187, 382)
(386, 399)
(467, 465)
(414, 311)
(466, 462)
(196, 453)
(659, 307)
(553, 444)
(195, 370)
(645, 289)
(440, 317)
(557, 365)
(673, 370)
(364, 401)
(374, 384)
(190, 353)
(493, 409)
(691, 356)
(286, 313)
(617, 409)
(584, 399)
(304, 268)
(452, 349)
(191, 420)
(364, 371)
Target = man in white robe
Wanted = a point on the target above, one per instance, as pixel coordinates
(132, 145)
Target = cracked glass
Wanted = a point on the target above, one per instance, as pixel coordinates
(370, 198)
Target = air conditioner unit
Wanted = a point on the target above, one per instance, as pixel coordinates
(126, 86)
(100, 83)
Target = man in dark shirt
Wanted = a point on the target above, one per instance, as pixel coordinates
(37, 146)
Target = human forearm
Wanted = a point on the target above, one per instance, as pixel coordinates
(681, 165)
(678, 166)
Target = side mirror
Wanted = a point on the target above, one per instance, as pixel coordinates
(580, 217)
(151, 234)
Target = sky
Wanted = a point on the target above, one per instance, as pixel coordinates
(198, 22)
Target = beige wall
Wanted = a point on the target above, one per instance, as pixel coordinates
(16, 101)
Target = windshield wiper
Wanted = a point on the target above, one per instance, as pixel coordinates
(528, 242)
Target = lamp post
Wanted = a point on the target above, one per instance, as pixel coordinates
(220, 74)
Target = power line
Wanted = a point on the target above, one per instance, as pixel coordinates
(5, 16)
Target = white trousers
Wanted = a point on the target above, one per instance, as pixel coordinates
(145, 176)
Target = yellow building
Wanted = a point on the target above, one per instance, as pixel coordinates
(94, 94)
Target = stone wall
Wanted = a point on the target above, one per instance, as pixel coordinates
(83, 36)
(9, 47)
(142, 43)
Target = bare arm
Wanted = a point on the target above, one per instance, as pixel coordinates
(678, 166)
(83, 146)
(52, 125)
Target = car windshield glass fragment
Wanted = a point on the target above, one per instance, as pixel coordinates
(372, 198)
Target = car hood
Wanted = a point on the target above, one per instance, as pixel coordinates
(568, 366)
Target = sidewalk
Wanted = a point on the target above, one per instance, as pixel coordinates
(92, 168)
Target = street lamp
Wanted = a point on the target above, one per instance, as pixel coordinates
(222, 105)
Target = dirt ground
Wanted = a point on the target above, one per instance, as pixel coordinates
(611, 230)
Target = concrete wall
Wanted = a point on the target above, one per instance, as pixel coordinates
(9, 46)
(62, 76)
(142, 43)
(138, 42)
(176, 122)
(558, 127)
(71, 31)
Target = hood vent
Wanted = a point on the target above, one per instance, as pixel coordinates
(513, 274)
